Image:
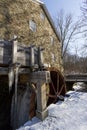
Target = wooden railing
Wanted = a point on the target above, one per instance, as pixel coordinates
(5, 52)
(12, 52)
(76, 77)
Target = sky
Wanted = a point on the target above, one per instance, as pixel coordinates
(72, 6)
(69, 6)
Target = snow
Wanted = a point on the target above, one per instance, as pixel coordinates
(71, 114)
(79, 86)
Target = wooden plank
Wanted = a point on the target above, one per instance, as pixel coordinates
(23, 55)
(3, 71)
(32, 57)
(14, 52)
(20, 54)
(36, 60)
(1, 59)
(1, 51)
(40, 56)
(7, 51)
(23, 49)
(21, 60)
(5, 59)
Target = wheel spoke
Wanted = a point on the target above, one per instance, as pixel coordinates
(53, 87)
(57, 82)
(60, 90)
(51, 96)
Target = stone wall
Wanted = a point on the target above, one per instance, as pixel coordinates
(15, 16)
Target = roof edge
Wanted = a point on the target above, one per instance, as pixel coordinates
(50, 20)
(37, 1)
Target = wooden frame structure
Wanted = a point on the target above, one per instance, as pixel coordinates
(17, 59)
(12, 52)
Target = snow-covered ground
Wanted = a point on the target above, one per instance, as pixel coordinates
(68, 115)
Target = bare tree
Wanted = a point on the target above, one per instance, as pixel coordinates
(67, 30)
(84, 19)
(84, 25)
(84, 10)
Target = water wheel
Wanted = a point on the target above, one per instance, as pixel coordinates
(57, 86)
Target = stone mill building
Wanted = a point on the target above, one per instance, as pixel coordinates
(30, 22)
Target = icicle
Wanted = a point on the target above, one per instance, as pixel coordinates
(11, 78)
(16, 83)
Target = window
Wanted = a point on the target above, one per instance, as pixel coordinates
(53, 57)
(42, 15)
(52, 40)
(32, 25)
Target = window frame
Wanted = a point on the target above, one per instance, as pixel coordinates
(53, 57)
(51, 40)
(32, 25)
(42, 16)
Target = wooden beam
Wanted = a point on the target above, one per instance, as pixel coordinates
(32, 57)
(40, 56)
(14, 52)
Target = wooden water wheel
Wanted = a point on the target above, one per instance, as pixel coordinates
(57, 86)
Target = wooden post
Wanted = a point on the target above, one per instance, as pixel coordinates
(14, 51)
(32, 58)
(40, 78)
(40, 56)
(44, 77)
(1, 54)
(41, 111)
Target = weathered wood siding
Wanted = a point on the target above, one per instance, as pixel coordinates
(5, 53)
(13, 52)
